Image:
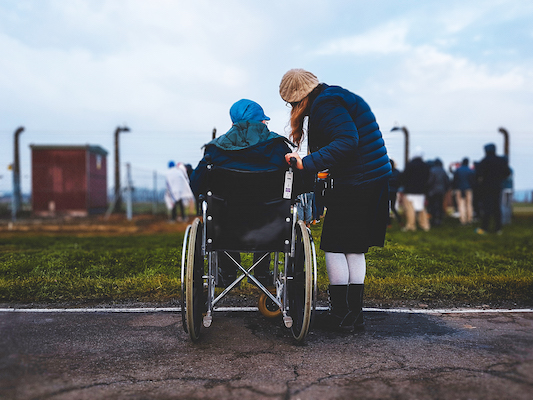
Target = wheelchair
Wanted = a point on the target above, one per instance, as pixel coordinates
(249, 212)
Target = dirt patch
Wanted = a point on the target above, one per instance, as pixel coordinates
(96, 225)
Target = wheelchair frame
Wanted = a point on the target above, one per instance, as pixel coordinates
(294, 293)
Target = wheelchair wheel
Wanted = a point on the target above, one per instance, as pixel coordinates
(301, 288)
(184, 256)
(195, 292)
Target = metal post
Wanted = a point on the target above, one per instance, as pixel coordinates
(154, 201)
(406, 145)
(118, 199)
(406, 133)
(129, 193)
(214, 135)
(16, 198)
(505, 134)
(507, 192)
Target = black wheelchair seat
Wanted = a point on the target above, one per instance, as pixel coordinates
(247, 211)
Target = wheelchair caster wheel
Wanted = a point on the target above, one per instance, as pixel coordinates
(267, 306)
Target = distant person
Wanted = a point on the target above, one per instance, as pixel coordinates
(414, 181)
(507, 199)
(491, 172)
(189, 169)
(438, 186)
(394, 186)
(178, 192)
(476, 194)
(304, 207)
(463, 184)
(248, 146)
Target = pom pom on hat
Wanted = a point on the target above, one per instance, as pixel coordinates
(296, 84)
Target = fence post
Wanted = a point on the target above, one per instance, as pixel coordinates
(129, 196)
(16, 198)
(154, 201)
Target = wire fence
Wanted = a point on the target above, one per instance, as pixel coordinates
(143, 192)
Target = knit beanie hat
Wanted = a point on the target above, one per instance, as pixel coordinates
(296, 84)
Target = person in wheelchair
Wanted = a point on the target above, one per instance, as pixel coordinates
(248, 146)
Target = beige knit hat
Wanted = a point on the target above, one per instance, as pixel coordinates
(296, 84)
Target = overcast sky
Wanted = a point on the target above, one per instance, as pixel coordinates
(452, 72)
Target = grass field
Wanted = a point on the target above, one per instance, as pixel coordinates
(450, 263)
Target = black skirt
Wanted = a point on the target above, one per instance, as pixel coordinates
(356, 218)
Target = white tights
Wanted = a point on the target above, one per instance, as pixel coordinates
(344, 269)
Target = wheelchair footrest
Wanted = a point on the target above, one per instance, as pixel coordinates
(287, 320)
(208, 319)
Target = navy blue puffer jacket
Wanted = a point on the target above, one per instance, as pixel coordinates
(344, 137)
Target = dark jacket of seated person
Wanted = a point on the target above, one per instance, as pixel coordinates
(248, 146)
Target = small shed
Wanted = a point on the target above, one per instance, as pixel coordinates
(68, 180)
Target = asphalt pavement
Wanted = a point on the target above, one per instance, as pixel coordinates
(243, 355)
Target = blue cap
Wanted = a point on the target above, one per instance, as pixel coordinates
(245, 110)
(171, 164)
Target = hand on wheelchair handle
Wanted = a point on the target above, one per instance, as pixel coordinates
(294, 160)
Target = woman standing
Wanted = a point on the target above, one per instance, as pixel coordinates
(343, 138)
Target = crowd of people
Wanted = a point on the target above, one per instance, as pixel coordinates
(425, 190)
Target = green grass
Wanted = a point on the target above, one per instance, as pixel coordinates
(449, 263)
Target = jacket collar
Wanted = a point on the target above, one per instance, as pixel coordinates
(245, 134)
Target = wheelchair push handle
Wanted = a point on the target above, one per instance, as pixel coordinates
(293, 162)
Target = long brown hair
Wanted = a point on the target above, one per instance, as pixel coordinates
(298, 113)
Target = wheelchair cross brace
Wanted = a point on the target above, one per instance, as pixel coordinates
(208, 318)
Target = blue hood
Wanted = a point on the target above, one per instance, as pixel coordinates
(245, 134)
(244, 110)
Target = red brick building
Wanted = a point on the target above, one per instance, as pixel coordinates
(69, 180)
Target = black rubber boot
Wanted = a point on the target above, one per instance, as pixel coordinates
(334, 319)
(354, 320)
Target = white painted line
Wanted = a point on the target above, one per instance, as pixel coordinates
(451, 310)
(91, 310)
(247, 309)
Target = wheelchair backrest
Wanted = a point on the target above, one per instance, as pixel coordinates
(246, 211)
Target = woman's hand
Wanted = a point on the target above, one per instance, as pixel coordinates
(299, 163)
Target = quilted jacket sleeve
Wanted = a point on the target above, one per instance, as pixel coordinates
(337, 133)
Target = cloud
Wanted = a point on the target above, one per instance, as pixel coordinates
(164, 61)
(445, 73)
(385, 39)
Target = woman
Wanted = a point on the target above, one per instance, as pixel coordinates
(344, 138)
